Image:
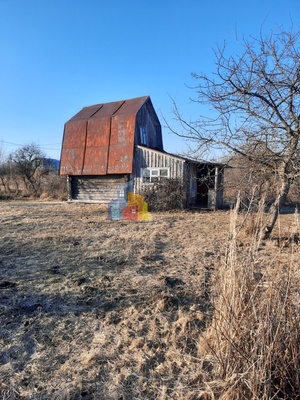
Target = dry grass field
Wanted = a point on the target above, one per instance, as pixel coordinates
(116, 310)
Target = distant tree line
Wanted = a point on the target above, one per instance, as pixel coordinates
(27, 172)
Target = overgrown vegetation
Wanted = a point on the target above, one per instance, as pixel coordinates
(29, 173)
(253, 342)
(169, 194)
(251, 183)
(254, 100)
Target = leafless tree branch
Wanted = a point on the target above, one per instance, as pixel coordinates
(255, 98)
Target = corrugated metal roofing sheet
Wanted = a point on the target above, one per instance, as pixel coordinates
(99, 139)
(87, 112)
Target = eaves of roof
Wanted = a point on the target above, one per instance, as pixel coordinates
(188, 160)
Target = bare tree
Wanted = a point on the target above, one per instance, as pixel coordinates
(29, 164)
(5, 175)
(251, 181)
(6, 172)
(3, 171)
(255, 104)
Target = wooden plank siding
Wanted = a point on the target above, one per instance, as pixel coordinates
(149, 158)
(98, 189)
(148, 129)
(190, 174)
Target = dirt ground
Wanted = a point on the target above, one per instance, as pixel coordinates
(99, 309)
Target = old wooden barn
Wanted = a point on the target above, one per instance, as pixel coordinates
(111, 146)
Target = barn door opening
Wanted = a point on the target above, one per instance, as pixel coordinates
(202, 194)
(202, 185)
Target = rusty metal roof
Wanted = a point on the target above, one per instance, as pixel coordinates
(99, 139)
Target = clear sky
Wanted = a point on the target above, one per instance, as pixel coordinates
(57, 56)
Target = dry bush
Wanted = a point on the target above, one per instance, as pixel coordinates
(54, 187)
(253, 343)
(51, 187)
(166, 195)
(248, 181)
(294, 193)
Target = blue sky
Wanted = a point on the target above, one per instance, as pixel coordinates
(57, 56)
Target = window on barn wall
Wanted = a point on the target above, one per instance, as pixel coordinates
(143, 135)
(121, 193)
(152, 175)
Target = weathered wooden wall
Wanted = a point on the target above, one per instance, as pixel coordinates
(219, 184)
(189, 172)
(149, 158)
(100, 189)
(147, 121)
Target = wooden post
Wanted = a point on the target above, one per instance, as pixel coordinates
(69, 187)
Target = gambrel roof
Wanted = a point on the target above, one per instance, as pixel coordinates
(100, 139)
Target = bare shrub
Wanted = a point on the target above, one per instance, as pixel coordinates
(166, 195)
(54, 187)
(29, 164)
(294, 194)
(253, 342)
(249, 182)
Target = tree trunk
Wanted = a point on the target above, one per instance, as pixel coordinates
(276, 206)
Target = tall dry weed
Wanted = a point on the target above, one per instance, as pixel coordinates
(252, 346)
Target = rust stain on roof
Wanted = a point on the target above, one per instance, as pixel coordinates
(99, 139)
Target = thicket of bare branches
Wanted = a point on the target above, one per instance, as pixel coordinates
(255, 108)
(29, 173)
(249, 182)
(252, 183)
(28, 165)
(169, 194)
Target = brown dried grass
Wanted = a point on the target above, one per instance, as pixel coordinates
(253, 342)
(98, 309)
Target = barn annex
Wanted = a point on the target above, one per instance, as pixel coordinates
(112, 146)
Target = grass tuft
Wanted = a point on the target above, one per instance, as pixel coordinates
(253, 342)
